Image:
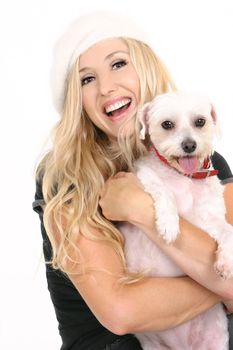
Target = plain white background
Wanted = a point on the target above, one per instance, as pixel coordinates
(193, 37)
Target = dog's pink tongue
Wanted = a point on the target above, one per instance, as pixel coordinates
(188, 164)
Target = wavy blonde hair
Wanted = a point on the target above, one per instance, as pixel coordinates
(82, 158)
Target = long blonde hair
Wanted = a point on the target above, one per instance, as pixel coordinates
(82, 158)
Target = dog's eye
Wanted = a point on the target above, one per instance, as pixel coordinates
(200, 122)
(167, 124)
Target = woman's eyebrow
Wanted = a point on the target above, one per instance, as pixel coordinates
(106, 58)
(114, 53)
(83, 69)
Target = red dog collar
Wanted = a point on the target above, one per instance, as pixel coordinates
(206, 172)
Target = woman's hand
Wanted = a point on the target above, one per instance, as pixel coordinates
(229, 306)
(123, 199)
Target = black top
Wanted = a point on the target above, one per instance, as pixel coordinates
(78, 327)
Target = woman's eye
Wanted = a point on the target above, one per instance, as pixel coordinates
(200, 122)
(167, 124)
(119, 64)
(86, 80)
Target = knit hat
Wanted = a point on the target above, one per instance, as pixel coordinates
(81, 35)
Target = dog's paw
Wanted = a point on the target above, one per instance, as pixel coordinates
(168, 228)
(167, 220)
(224, 262)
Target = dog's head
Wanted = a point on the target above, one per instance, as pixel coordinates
(181, 126)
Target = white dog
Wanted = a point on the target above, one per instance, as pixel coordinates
(178, 176)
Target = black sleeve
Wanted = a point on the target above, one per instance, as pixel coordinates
(38, 203)
(230, 327)
(225, 175)
(224, 171)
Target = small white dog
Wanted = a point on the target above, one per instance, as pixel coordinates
(177, 174)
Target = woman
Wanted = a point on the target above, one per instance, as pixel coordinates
(104, 70)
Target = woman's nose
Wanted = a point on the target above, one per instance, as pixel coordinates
(107, 85)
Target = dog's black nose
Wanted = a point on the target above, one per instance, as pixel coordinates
(189, 145)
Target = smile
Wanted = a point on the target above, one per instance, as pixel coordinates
(116, 108)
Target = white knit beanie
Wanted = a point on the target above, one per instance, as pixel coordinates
(81, 35)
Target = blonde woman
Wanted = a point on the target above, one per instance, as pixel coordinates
(103, 71)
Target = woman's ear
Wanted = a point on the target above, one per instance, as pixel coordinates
(143, 117)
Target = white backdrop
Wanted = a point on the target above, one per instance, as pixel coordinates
(193, 37)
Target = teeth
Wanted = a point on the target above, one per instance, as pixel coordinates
(117, 105)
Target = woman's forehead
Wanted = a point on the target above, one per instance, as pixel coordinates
(103, 49)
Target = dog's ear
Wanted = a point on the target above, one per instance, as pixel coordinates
(216, 121)
(143, 119)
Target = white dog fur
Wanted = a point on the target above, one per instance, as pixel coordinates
(200, 201)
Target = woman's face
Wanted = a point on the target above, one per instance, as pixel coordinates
(110, 85)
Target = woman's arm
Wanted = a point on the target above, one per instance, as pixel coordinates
(151, 304)
(193, 251)
(228, 196)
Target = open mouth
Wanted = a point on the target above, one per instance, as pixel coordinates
(188, 164)
(116, 109)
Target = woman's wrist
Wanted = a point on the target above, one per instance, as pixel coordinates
(143, 213)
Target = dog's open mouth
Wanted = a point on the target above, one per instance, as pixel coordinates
(188, 164)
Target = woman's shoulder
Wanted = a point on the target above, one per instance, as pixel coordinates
(224, 171)
(38, 203)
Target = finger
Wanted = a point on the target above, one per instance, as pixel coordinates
(120, 174)
(102, 191)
